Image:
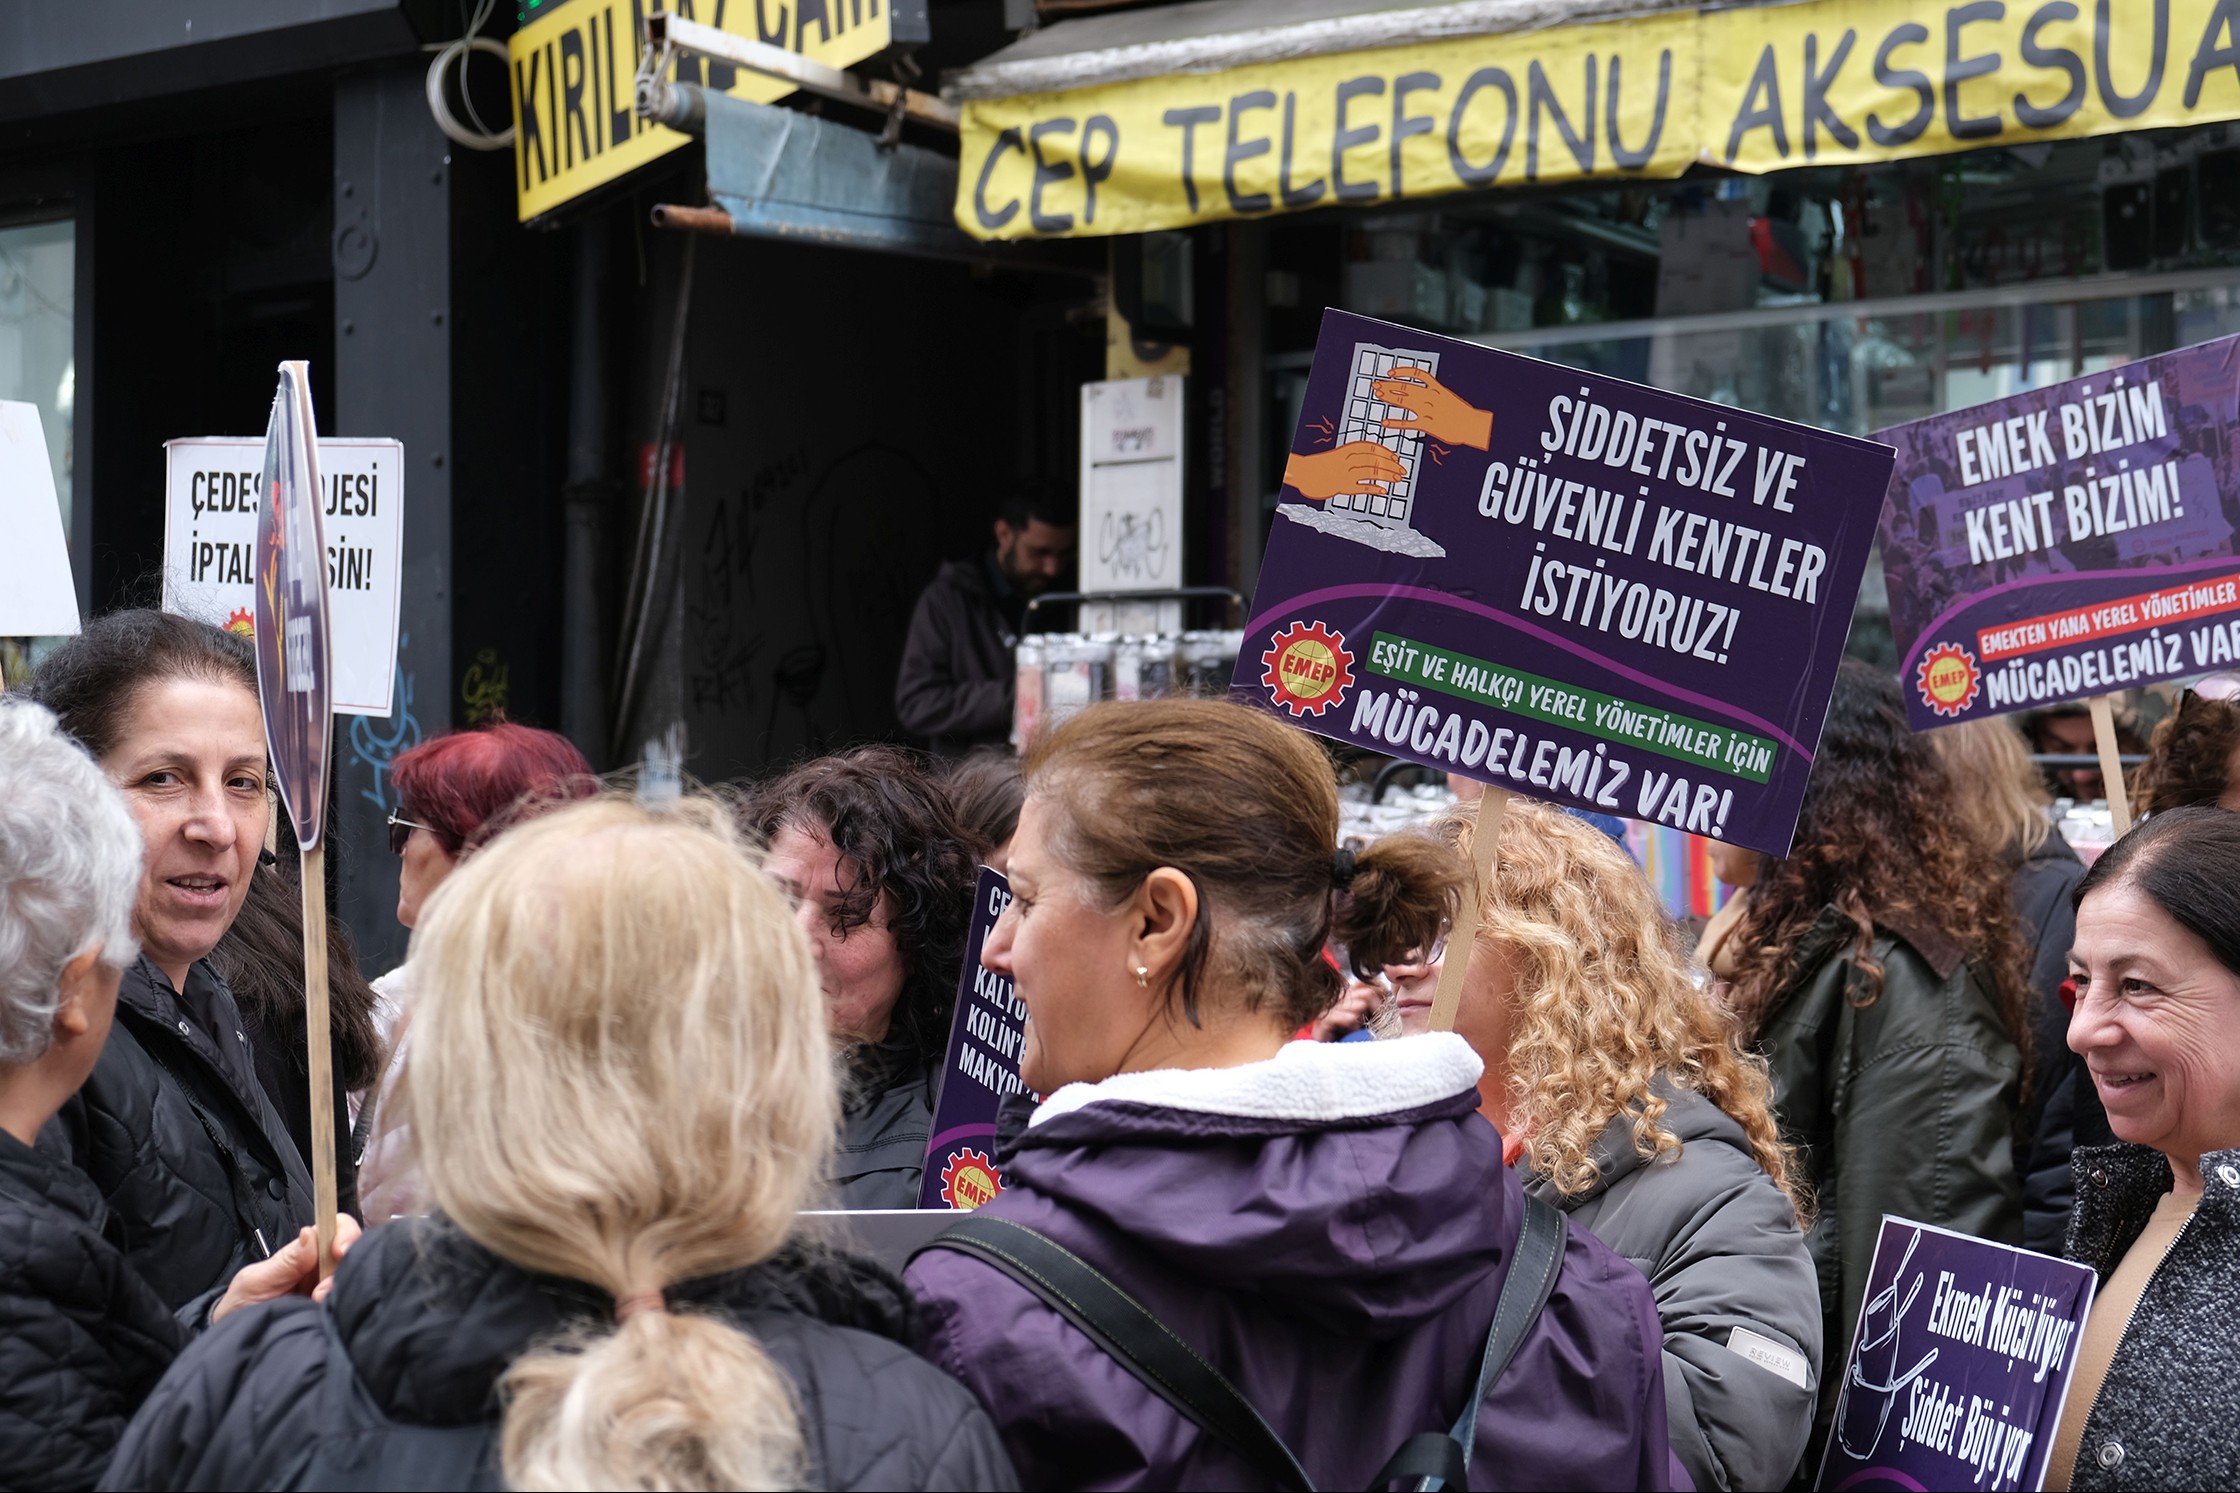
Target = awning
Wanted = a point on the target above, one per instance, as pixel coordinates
(1169, 117)
(784, 174)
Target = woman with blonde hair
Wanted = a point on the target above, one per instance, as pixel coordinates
(1625, 1096)
(2002, 804)
(621, 1092)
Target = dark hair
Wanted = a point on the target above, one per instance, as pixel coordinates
(2189, 762)
(261, 960)
(1033, 499)
(1877, 839)
(1247, 808)
(986, 789)
(886, 816)
(2187, 861)
(468, 785)
(92, 680)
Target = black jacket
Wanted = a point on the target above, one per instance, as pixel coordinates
(2166, 1411)
(955, 683)
(183, 1142)
(1905, 1105)
(430, 1321)
(82, 1338)
(2062, 1110)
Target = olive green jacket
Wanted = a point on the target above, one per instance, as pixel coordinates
(1905, 1105)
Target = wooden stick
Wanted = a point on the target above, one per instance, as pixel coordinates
(2111, 762)
(318, 1033)
(1485, 844)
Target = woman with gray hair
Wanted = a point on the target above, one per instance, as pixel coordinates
(83, 1338)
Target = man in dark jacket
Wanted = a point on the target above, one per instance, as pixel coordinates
(956, 680)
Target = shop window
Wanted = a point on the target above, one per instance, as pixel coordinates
(37, 364)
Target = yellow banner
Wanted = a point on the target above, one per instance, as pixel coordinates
(575, 66)
(1822, 82)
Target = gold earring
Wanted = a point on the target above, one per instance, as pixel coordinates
(1143, 977)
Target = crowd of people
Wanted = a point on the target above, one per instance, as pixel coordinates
(1260, 1225)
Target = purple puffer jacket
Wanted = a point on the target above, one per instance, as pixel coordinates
(1331, 1229)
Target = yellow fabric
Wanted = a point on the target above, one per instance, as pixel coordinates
(2111, 1318)
(1822, 82)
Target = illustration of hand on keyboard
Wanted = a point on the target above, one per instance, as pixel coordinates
(1433, 409)
(1356, 469)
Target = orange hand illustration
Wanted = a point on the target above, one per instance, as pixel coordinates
(1439, 412)
(1356, 468)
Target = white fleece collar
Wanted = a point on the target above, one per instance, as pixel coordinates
(1306, 1081)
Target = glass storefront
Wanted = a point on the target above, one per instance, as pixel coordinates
(38, 277)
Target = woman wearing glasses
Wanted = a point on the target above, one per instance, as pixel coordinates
(454, 794)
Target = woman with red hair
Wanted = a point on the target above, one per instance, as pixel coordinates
(454, 794)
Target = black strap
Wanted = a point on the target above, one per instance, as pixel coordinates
(1137, 1340)
(1173, 1370)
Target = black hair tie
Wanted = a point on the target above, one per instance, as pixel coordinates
(1342, 867)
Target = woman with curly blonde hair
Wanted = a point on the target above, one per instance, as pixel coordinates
(1623, 1093)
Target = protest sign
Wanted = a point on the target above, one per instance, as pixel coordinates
(210, 513)
(2068, 541)
(982, 1068)
(1597, 593)
(37, 598)
(1960, 1364)
(295, 666)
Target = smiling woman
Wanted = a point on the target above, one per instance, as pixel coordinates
(2156, 964)
(193, 1160)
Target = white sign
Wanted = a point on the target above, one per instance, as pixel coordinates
(210, 542)
(1131, 485)
(37, 598)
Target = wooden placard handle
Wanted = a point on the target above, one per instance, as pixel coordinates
(318, 1035)
(1485, 844)
(2111, 762)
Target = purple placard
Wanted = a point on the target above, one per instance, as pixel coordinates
(1576, 587)
(2068, 541)
(294, 667)
(1960, 1364)
(982, 1068)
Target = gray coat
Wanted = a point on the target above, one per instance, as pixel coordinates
(2166, 1411)
(885, 1120)
(1720, 1246)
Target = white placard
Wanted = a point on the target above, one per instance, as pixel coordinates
(1131, 485)
(210, 542)
(37, 598)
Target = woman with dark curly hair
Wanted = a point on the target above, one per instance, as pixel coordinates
(881, 873)
(1879, 969)
(2194, 759)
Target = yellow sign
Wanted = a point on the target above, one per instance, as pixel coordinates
(1763, 88)
(575, 66)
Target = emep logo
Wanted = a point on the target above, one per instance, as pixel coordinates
(1308, 668)
(1949, 679)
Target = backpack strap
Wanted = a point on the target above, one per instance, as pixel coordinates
(1431, 1462)
(1147, 1348)
(1138, 1341)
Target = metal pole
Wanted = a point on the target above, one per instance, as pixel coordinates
(583, 625)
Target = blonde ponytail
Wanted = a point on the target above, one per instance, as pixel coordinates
(667, 1400)
(620, 1075)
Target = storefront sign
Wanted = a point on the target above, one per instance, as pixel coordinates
(2069, 541)
(1959, 1367)
(575, 66)
(210, 510)
(37, 598)
(1749, 88)
(981, 1071)
(1586, 590)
